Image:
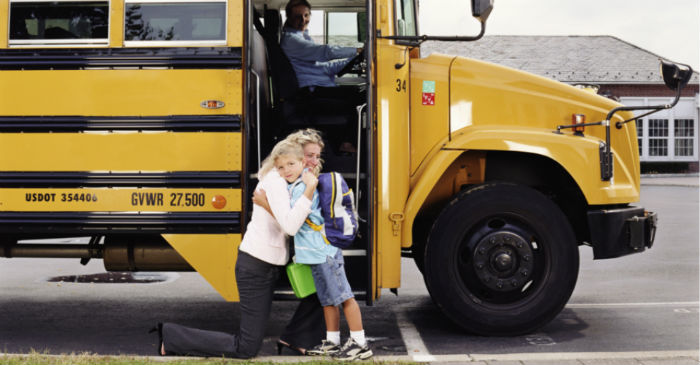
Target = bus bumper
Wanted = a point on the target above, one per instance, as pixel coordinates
(620, 231)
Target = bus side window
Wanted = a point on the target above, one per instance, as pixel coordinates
(172, 22)
(58, 23)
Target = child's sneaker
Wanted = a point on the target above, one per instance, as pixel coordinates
(353, 351)
(326, 348)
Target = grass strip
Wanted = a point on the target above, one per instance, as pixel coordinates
(36, 358)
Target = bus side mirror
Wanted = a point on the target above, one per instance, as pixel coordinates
(675, 75)
(481, 9)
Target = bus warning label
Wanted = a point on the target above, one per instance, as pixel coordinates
(147, 199)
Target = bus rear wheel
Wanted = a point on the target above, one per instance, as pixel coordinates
(501, 259)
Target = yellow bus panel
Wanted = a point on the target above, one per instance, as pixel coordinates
(127, 151)
(120, 199)
(119, 92)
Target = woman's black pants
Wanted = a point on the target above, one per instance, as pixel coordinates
(256, 280)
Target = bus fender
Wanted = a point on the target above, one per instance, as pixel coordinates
(574, 153)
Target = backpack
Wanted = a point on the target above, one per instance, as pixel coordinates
(338, 209)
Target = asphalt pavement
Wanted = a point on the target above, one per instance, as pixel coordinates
(690, 180)
(643, 318)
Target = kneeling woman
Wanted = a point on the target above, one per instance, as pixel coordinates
(261, 254)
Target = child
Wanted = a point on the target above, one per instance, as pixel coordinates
(327, 268)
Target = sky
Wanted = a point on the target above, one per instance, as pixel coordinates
(667, 28)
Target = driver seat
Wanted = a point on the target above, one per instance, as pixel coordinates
(291, 107)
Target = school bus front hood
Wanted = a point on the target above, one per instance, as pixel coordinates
(484, 95)
(462, 103)
(502, 95)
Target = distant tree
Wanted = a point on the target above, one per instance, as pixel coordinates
(137, 29)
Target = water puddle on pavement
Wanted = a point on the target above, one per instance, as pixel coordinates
(117, 277)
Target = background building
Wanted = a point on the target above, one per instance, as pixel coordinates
(668, 140)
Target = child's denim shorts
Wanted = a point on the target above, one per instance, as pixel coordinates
(332, 285)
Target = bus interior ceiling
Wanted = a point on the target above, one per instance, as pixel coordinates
(316, 4)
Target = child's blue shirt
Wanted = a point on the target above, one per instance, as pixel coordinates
(310, 247)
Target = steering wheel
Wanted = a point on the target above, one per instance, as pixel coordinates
(350, 66)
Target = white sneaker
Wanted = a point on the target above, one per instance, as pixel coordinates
(324, 349)
(353, 351)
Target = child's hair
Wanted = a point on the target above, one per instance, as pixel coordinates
(283, 147)
(303, 137)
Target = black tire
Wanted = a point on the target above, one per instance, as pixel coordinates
(421, 229)
(501, 259)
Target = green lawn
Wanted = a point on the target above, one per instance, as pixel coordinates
(90, 359)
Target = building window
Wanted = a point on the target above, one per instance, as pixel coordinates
(684, 131)
(669, 135)
(640, 133)
(658, 137)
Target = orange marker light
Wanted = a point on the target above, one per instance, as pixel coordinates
(212, 104)
(578, 119)
(218, 201)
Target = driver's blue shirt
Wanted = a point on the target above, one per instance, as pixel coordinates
(314, 64)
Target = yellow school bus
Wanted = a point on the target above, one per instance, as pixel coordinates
(141, 125)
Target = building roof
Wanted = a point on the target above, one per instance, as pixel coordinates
(570, 59)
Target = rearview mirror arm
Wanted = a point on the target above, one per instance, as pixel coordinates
(422, 38)
(655, 108)
(606, 154)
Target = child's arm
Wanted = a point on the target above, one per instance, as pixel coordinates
(289, 218)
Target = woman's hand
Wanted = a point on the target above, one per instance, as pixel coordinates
(260, 198)
(309, 179)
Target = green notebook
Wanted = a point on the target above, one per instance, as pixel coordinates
(301, 279)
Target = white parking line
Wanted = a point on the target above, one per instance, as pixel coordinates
(415, 348)
(418, 352)
(642, 304)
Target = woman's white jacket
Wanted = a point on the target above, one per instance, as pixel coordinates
(265, 235)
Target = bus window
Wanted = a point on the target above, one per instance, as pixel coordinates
(342, 29)
(58, 23)
(173, 22)
(405, 18)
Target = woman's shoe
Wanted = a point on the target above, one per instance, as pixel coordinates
(159, 328)
(281, 345)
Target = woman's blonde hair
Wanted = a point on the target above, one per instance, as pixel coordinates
(282, 148)
(303, 137)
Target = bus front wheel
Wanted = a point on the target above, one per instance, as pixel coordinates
(501, 259)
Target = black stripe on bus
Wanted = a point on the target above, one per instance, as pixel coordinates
(81, 179)
(119, 222)
(80, 58)
(72, 124)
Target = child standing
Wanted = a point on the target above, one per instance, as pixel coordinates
(327, 268)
